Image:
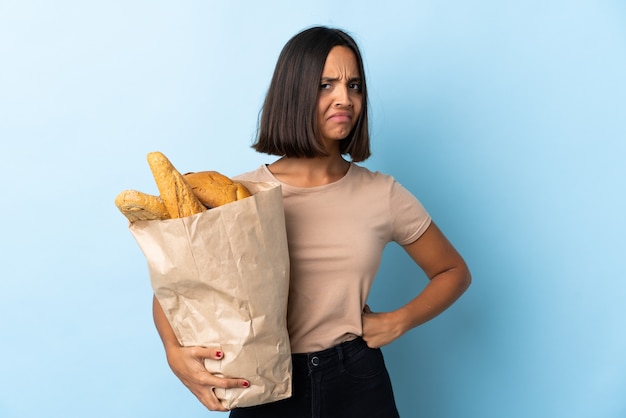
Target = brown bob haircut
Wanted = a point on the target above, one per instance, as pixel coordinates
(288, 122)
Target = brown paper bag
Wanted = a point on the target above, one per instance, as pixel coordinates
(222, 278)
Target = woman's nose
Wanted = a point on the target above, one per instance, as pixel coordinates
(342, 97)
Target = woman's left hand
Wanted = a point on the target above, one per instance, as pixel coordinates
(379, 328)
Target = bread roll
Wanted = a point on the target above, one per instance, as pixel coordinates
(214, 189)
(177, 195)
(138, 206)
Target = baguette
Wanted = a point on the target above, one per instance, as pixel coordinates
(177, 195)
(214, 189)
(138, 206)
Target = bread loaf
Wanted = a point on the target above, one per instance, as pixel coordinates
(138, 206)
(177, 195)
(214, 189)
(180, 196)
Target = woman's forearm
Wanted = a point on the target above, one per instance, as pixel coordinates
(440, 293)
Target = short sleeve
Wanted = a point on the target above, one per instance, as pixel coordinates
(408, 216)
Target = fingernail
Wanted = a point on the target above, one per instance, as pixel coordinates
(218, 354)
(245, 384)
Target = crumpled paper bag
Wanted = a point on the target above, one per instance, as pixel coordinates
(222, 279)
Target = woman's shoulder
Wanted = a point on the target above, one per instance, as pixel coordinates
(378, 182)
(261, 173)
(361, 173)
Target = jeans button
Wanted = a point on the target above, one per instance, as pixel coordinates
(315, 361)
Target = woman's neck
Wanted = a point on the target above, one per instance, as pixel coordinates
(309, 172)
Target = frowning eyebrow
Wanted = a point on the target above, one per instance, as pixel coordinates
(334, 79)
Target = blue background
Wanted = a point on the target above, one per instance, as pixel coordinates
(506, 119)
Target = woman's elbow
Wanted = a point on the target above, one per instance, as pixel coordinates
(465, 279)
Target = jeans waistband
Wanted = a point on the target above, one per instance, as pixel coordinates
(329, 357)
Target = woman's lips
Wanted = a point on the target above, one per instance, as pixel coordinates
(340, 117)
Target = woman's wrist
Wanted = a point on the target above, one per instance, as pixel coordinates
(406, 319)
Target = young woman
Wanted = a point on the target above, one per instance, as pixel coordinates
(339, 218)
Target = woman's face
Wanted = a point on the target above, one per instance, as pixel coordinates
(339, 101)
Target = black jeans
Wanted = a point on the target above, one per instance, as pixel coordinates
(349, 380)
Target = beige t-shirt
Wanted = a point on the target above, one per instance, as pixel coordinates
(336, 235)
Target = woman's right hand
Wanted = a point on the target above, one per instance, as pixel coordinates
(187, 363)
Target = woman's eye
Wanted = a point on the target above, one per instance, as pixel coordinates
(324, 86)
(355, 86)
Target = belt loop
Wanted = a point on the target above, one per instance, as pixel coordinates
(340, 357)
(308, 364)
